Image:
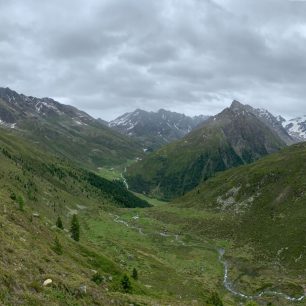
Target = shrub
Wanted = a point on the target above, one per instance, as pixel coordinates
(59, 223)
(97, 278)
(13, 196)
(215, 300)
(126, 284)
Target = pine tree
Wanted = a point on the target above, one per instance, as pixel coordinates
(75, 228)
(135, 274)
(126, 284)
(59, 223)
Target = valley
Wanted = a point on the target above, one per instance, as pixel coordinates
(217, 243)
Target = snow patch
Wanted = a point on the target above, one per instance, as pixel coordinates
(8, 125)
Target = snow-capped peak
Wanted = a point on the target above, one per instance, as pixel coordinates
(296, 127)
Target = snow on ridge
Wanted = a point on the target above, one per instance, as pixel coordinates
(296, 127)
(122, 120)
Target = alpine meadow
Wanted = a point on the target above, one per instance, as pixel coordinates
(153, 153)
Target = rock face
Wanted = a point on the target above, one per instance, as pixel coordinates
(234, 137)
(273, 123)
(155, 129)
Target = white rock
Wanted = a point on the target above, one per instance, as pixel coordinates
(47, 282)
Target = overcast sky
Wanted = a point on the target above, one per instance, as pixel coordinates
(193, 56)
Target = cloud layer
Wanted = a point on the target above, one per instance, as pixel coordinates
(111, 56)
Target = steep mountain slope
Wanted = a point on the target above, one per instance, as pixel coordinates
(265, 202)
(295, 127)
(64, 130)
(233, 137)
(273, 123)
(155, 129)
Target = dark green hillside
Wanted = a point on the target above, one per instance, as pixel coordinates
(35, 174)
(266, 202)
(234, 137)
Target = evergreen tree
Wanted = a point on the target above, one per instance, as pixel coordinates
(57, 248)
(135, 274)
(126, 284)
(59, 223)
(75, 228)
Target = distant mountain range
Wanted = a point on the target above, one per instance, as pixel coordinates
(72, 133)
(155, 129)
(238, 135)
(65, 130)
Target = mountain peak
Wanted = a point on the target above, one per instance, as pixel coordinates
(236, 105)
(156, 128)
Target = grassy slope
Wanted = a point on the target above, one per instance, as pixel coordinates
(226, 142)
(52, 187)
(261, 209)
(93, 145)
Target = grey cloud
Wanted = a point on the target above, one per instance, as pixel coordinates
(111, 56)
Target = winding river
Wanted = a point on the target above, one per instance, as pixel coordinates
(226, 281)
(229, 286)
